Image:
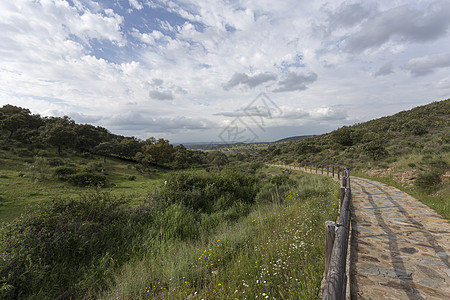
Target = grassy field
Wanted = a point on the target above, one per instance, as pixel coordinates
(274, 252)
(205, 234)
(21, 185)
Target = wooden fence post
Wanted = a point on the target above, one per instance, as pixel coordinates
(341, 197)
(344, 181)
(348, 179)
(330, 233)
(333, 171)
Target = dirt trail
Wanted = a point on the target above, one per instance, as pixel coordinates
(400, 248)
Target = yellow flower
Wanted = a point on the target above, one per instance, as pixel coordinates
(219, 284)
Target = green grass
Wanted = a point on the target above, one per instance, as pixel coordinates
(138, 238)
(276, 251)
(18, 189)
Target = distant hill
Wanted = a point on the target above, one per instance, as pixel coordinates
(293, 138)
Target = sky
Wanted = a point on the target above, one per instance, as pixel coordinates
(223, 71)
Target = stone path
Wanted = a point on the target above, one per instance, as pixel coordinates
(400, 247)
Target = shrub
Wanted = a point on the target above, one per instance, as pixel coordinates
(200, 190)
(282, 179)
(343, 136)
(49, 249)
(132, 178)
(415, 127)
(427, 181)
(63, 171)
(87, 178)
(55, 161)
(375, 150)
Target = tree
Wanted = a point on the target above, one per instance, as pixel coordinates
(217, 158)
(13, 123)
(159, 152)
(128, 147)
(60, 132)
(343, 136)
(19, 120)
(88, 137)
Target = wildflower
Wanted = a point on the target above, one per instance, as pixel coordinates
(219, 284)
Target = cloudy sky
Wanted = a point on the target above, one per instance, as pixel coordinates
(206, 70)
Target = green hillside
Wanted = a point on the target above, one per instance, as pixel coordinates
(410, 149)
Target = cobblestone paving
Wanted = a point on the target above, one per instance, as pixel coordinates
(400, 247)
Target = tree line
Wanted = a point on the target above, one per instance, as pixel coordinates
(20, 125)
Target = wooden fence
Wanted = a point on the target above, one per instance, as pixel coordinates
(337, 235)
(336, 245)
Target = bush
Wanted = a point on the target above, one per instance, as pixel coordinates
(62, 172)
(87, 178)
(415, 127)
(427, 181)
(202, 190)
(343, 136)
(48, 250)
(55, 161)
(375, 150)
(282, 179)
(132, 178)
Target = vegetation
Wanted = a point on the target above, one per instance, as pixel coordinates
(19, 127)
(411, 149)
(99, 215)
(80, 247)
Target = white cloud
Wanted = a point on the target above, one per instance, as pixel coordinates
(295, 82)
(402, 24)
(443, 84)
(425, 65)
(384, 70)
(136, 4)
(211, 58)
(250, 81)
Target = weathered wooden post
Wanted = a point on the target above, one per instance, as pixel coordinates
(341, 197)
(344, 180)
(348, 179)
(333, 171)
(339, 172)
(330, 233)
(328, 170)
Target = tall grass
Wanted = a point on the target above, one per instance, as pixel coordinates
(274, 252)
(204, 234)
